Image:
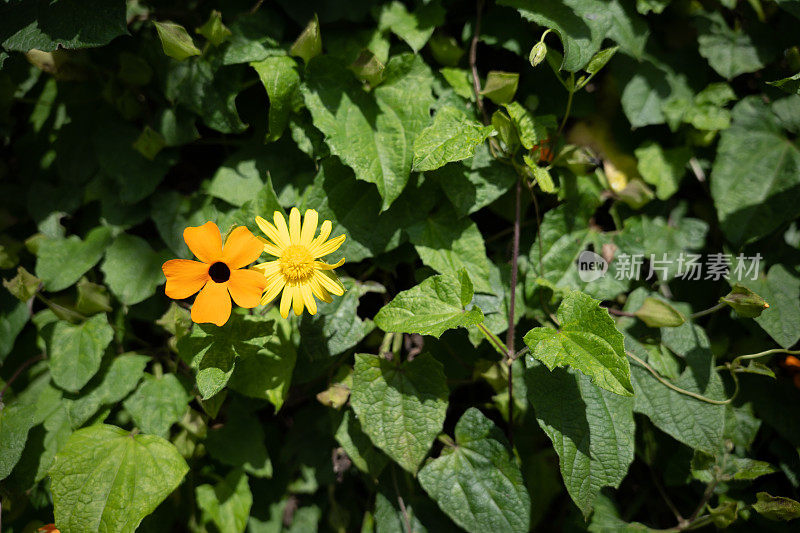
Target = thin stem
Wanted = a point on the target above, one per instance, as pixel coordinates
(514, 272)
(765, 353)
(19, 371)
(402, 504)
(473, 60)
(494, 340)
(708, 311)
(569, 104)
(709, 492)
(619, 313)
(667, 500)
(680, 390)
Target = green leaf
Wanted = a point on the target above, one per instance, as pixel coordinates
(226, 504)
(693, 422)
(46, 25)
(448, 244)
(606, 518)
(106, 479)
(254, 37)
(281, 80)
(240, 443)
(208, 92)
(474, 183)
(213, 351)
(373, 133)
(782, 290)
(214, 30)
(92, 298)
(133, 269)
(791, 84)
(401, 406)
(62, 262)
(657, 313)
(239, 179)
(600, 59)
(309, 44)
(175, 40)
(477, 482)
(266, 373)
(451, 137)
(16, 420)
(583, 24)
(149, 143)
(500, 87)
(592, 430)
(662, 168)
(729, 51)
(115, 380)
(653, 92)
(158, 403)
(430, 308)
(776, 507)
(587, 340)
(754, 174)
(14, 314)
(358, 447)
(75, 351)
(414, 28)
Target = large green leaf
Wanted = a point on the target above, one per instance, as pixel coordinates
(693, 422)
(782, 291)
(282, 82)
(47, 25)
(729, 51)
(75, 351)
(475, 182)
(226, 504)
(453, 136)
(477, 481)
(365, 456)
(239, 442)
(756, 175)
(414, 28)
(592, 430)
(112, 383)
(107, 479)
(587, 340)
(133, 269)
(213, 351)
(373, 133)
(14, 314)
(401, 406)
(158, 402)
(432, 307)
(61, 262)
(16, 420)
(583, 24)
(448, 244)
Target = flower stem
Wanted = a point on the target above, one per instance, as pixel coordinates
(684, 391)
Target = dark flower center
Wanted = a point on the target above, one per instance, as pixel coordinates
(219, 272)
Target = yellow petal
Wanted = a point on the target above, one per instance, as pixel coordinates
(297, 300)
(309, 227)
(269, 269)
(319, 291)
(286, 300)
(274, 286)
(328, 247)
(272, 232)
(330, 282)
(294, 225)
(308, 299)
(319, 265)
(271, 249)
(280, 225)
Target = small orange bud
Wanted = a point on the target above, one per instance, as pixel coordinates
(49, 528)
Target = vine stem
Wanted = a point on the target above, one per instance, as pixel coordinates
(402, 504)
(765, 353)
(19, 371)
(494, 340)
(473, 60)
(708, 311)
(568, 110)
(684, 391)
(512, 302)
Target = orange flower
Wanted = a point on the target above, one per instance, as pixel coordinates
(219, 273)
(49, 528)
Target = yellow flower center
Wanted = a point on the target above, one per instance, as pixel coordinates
(297, 263)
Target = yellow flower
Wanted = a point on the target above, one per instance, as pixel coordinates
(297, 271)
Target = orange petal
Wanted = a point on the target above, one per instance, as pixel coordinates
(213, 304)
(246, 287)
(241, 248)
(184, 277)
(204, 241)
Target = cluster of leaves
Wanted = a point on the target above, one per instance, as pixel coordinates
(471, 152)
